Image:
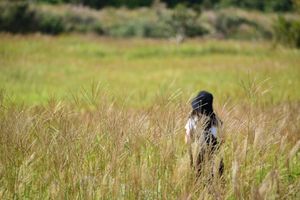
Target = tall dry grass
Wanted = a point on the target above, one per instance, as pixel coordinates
(93, 148)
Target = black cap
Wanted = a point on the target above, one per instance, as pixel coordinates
(203, 103)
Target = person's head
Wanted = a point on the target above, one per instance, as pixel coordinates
(203, 103)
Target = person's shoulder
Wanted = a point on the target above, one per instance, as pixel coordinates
(216, 120)
(191, 123)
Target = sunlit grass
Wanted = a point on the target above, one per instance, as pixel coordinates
(34, 67)
(104, 118)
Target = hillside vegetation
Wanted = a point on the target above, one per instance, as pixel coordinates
(263, 5)
(155, 22)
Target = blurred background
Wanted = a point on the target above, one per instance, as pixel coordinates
(243, 19)
(53, 47)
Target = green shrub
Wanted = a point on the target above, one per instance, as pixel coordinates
(270, 5)
(17, 17)
(160, 24)
(74, 22)
(47, 23)
(160, 29)
(141, 28)
(233, 26)
(20, 17)
(263, 5)
(279, 5)
(124, 30)
(287, 32)
(186, 22)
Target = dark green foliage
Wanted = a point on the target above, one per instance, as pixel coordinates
(166, 25)
(142, 28)
(185, 22)
(73, 22)
(252, 4)
(279, 5)
(16, 17)
(193, 3)
(20, 17)
(104, 3)
(50, 24)
(238, 27)
(128, 29)
(287, 32)
(264, 5)
(268, 5)
(23, 18)
(179, 22)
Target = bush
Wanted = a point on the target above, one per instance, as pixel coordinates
(226, 24)
(279, 5)
(263, 5)
(47, 23)
(75, 22)
(141, 28)
(179, 22)
(164, 24)
(270, 5)
(234, 26)
(186, 22)
(287, 32)
(17, 17)
(21, 17)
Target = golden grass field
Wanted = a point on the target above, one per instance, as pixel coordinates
(85, 117)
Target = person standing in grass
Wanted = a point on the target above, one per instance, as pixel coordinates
(202, 133)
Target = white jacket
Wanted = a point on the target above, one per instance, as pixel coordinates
(191, 127)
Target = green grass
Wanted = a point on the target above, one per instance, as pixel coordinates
(83, 117)
(36, 67)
